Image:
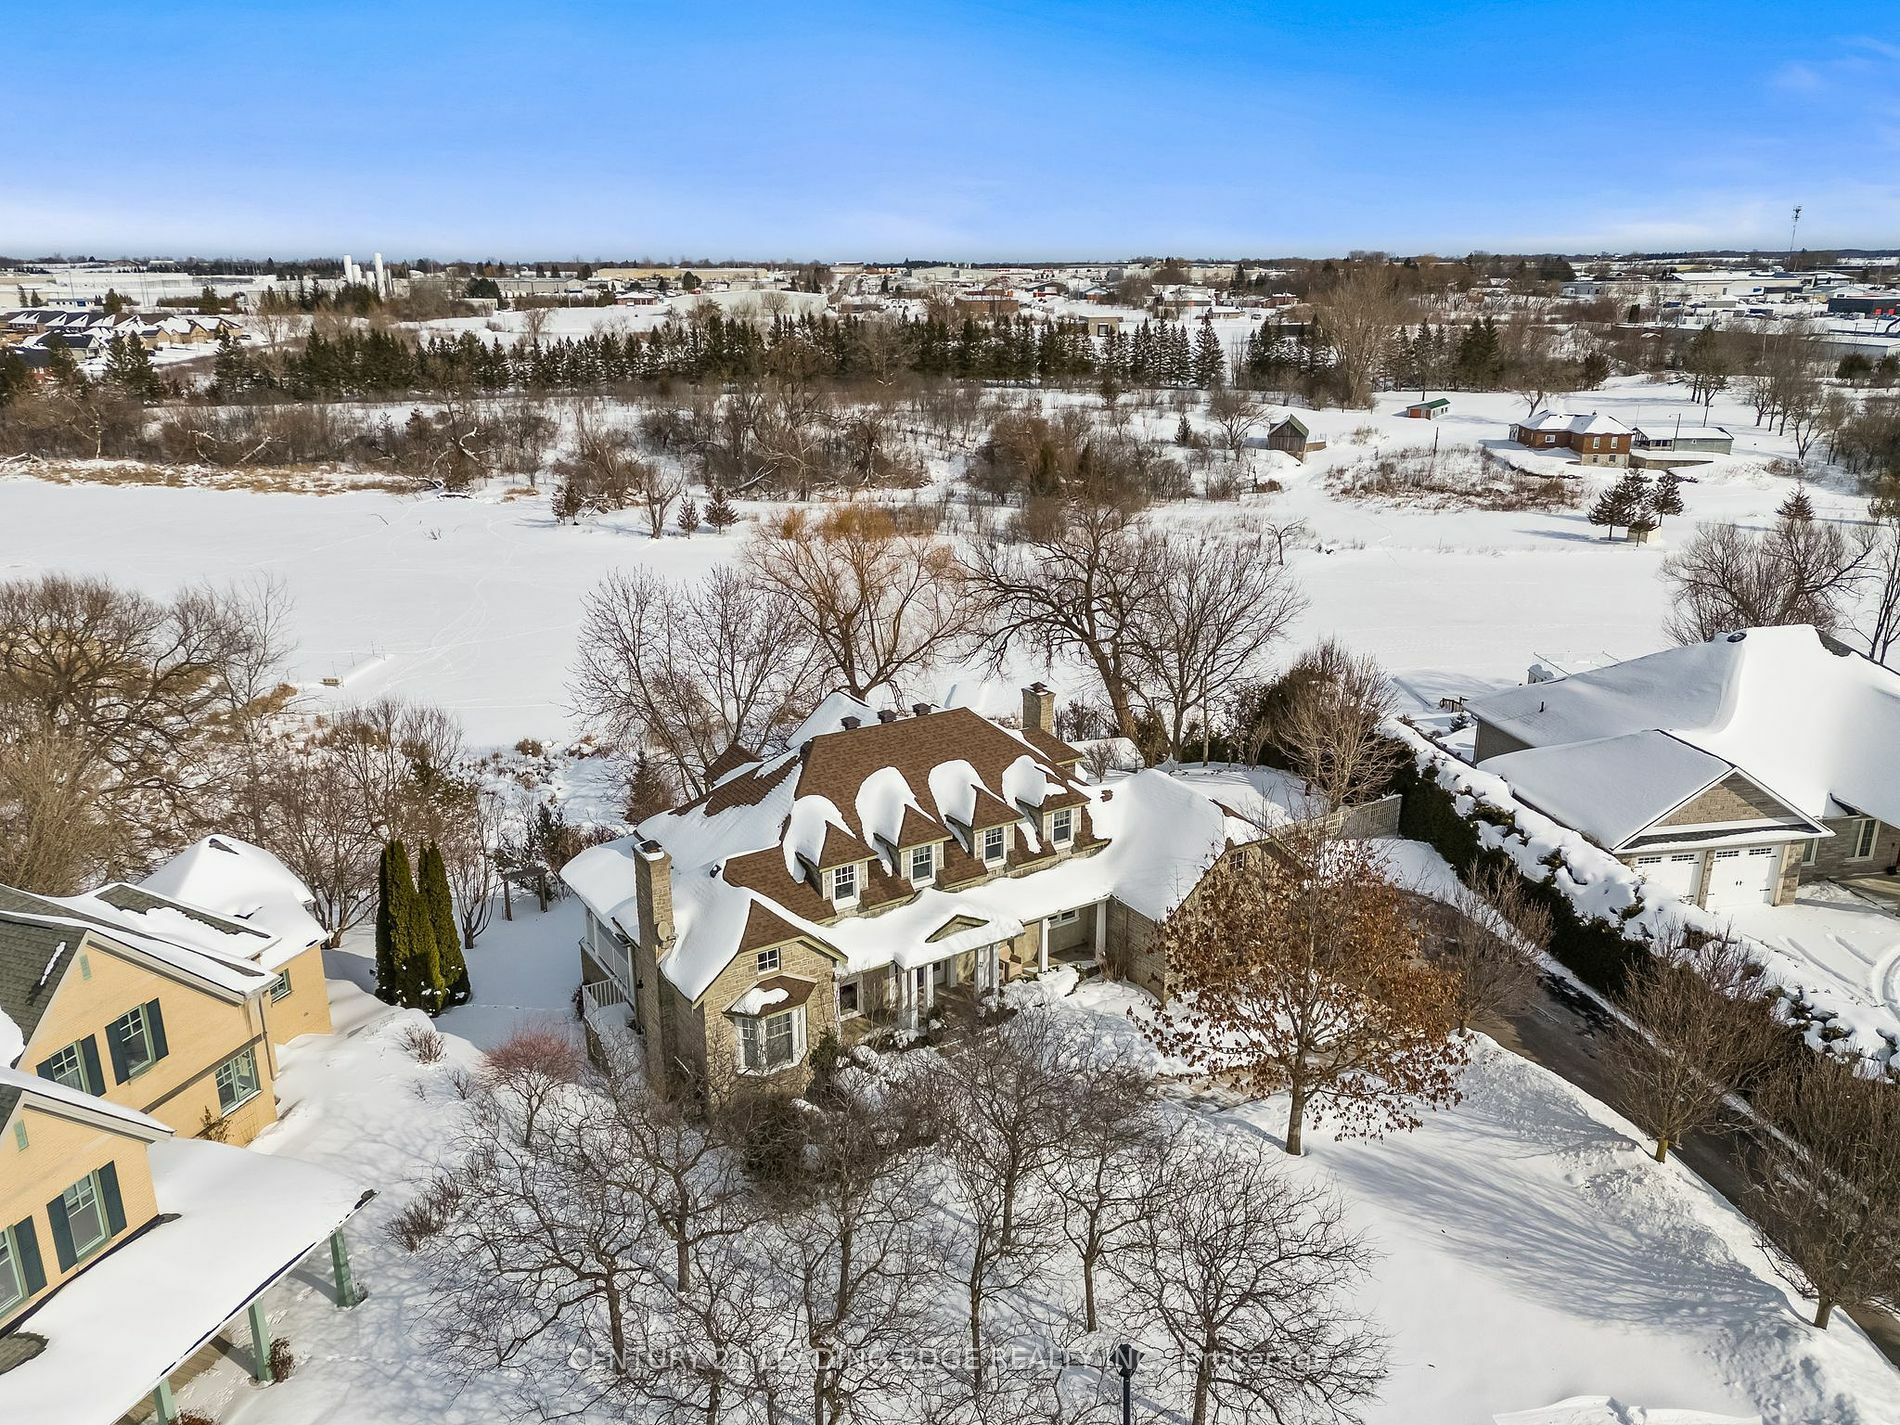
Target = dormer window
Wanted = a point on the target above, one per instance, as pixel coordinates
(844, 884)
(995, 845)
(1062, 826)
(923, 865)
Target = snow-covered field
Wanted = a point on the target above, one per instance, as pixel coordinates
(1530, 1250)
(473, 603)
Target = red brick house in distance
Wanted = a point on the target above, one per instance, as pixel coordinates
(1594, 439)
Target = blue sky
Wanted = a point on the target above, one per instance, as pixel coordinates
(1040, 128)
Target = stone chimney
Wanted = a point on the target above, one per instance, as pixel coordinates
(653, 880)
(1039, 708)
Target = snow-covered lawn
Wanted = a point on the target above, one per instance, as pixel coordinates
(1848, 943)
(1530, 1251)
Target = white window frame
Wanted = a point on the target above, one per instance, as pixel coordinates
(1810, 850)
(235, 1067)
(1065, 917)
(767, 961)
(1062, 826)
(841, 876)
(90, 1199)
(1867, 835)
(756, 1032)
(1001, 841)
(926, 857)
(280, 987)
(12, 1277)
(856, 985)
(138, 1027)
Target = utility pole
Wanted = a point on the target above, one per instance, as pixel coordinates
(1794, 225)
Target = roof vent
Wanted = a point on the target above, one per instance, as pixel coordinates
(850, 724)
(888, 714)
(922, 709)
(1736, 637)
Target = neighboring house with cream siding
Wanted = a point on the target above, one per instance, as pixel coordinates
(883, 866)
(1726, 772)
(131, 1019)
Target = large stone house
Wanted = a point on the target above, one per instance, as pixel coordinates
(132, 1020)
(883, 865)
(1727, 772)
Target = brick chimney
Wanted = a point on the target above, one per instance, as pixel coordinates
(1039, 708)
(653, 880)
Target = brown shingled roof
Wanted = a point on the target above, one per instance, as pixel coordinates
(992, 810)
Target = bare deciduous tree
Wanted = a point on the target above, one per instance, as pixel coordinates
(1079, 583)
(1489, 937)
(1358, 316)
(882, 603)
(1330, 724)
(1826, 1189)
(1701, 1028)
(1246, 1275)
(1299, 969)
(1727, 578)
(691, 671)
(1216, 606)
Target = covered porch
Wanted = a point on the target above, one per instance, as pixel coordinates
(110, 1343)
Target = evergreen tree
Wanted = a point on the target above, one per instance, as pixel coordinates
(1667, 499)
(393, 893)
(688, 517)
(1621, 505)
(129, 367)
(647, 792)
(438, 905)
(1797, 508)
(1209, 363)
(720, 515)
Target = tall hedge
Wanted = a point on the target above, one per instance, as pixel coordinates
(1596, 950)
(438, 904)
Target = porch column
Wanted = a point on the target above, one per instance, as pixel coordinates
(1101, 932)
(164, 1408)
(1042, 946)
(346, 1295)
(260, 1344)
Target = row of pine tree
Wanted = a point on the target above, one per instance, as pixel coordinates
(419, 962)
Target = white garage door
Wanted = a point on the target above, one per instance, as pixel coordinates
(1671, 874)
(1742, 876)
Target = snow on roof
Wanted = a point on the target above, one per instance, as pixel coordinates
(233, 878)
(1811, 722)
(1610, 788)
(1162, 835)
(1593, 423)
(24, 1085)
(243, 1220)
(183, 950)
(12, 1042)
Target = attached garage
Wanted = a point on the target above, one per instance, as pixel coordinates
(1742, 876)
(1672, 874)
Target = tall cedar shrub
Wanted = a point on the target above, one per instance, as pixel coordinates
(392, 876)
(438, 903)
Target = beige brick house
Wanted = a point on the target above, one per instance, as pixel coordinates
(1727, 772)
(881, 867)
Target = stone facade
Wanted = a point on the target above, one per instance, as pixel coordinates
(1734, 798)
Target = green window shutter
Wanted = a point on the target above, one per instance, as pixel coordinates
(89, 1051)
(62, 1234)
(115, 1048)
(109, 1194)
(26, 1243)
(155, 1022)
